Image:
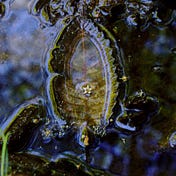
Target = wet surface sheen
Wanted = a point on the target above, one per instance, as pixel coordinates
(88, 87)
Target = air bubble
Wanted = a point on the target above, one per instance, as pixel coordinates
(172, 139)
(157, 68)
(173, 50)
(131, 20)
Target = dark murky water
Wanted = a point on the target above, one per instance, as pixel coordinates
(142, 140)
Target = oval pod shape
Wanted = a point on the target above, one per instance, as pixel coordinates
(83, 79)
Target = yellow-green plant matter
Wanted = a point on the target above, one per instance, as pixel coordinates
(4, 153)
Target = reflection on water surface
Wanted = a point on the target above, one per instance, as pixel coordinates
(145, 32)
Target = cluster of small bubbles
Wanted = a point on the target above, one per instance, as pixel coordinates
(47, 134)
(60, 131)
(138, 13)
(106, 11)
(51, 11)
(52, 130)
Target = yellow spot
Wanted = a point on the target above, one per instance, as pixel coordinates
(86, 140)
(47, 132)
(35, 121)
(78, 166)
(124, 78)
(111, 120)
